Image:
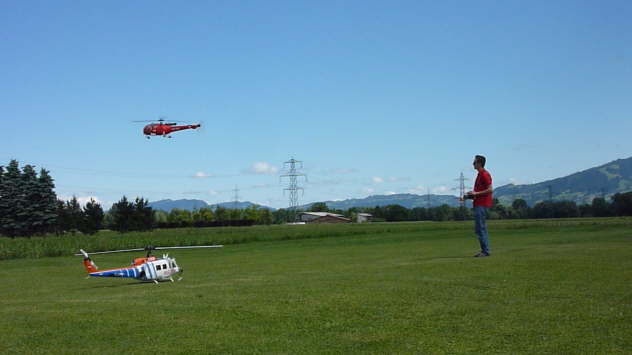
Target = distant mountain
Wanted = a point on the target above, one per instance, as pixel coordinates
(167, 205)
(239, 205)
(406, 200)
(581, 187)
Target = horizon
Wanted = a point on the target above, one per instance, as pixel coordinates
(308, 203)
(82, 201)
(396, 194)
(375, 98)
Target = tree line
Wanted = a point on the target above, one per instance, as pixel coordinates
(27, 201)
(29, 205)
(620, 204)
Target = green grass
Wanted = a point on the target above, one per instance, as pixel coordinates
(558, 287)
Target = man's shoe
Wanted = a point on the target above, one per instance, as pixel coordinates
(481, 255)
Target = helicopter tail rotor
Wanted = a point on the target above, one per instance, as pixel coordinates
(87, 262)
(200, 126)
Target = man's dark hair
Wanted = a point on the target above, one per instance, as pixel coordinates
(480, 159)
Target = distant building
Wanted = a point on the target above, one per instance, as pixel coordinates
(322, 217)
(364, 217)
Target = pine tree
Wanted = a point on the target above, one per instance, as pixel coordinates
(143, 215)
(63, 217)
(30, 216)
(47, 203)
(3, 205)
(93, 217)
(11, 200)
(123, 213)
(108, 219)
(75, 214)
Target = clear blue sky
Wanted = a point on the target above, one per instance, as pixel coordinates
(375, 97)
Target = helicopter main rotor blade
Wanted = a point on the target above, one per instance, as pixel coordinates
(149, 248)
(114, 251)
(190, 247)
(158, 121)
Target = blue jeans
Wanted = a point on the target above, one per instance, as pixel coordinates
(480, 227)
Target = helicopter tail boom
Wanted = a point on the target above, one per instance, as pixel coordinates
(180, 128)
(88, 263)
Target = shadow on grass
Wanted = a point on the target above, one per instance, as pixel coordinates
(447, 257)
(135, 283)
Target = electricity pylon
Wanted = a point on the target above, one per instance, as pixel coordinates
(293, 174)
(461, 187)
(236, 198)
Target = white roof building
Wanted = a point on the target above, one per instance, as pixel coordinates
(322, 217)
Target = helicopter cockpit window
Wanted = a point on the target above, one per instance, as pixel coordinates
(173, 265)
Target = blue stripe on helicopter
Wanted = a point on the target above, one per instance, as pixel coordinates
(152, 267)
(127, 273)
(150, 271)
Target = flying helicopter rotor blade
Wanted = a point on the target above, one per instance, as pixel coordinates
(163, 119)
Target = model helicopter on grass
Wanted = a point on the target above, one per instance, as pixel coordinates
(164, 129)
(147, 269)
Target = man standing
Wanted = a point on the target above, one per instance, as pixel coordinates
(482, 196)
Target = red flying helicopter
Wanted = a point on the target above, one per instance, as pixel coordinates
(162, 128)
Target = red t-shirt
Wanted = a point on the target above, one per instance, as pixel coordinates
(483, 182)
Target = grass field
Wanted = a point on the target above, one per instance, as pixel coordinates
(558, 287)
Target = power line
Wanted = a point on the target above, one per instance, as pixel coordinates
(55, 168)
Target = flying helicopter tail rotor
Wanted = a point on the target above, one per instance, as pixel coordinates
(200, 126)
